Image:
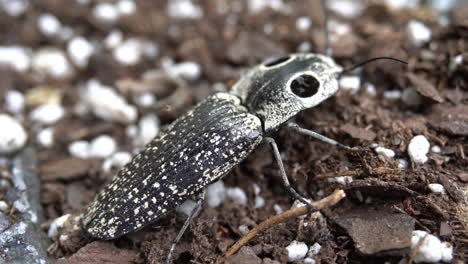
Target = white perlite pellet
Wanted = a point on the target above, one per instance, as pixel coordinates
(385, 152)
(18, 58)
(56, 224)
(106, 12)
(431, 250)
(47, 114)
(297, 251)
(418, 33)
(418, 149)
(102, 146)
(237, 195)
(45, 137)
(215, 194)
(436, 188)
(14, 101)
(186, 207)
(52, 62)
(184, 9)
(117, 160)
(80, 50)
(48, 24)
(107, 104)
(303, 23)
(12, 135)
(351, 83)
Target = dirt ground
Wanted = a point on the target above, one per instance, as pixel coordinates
(224, 43)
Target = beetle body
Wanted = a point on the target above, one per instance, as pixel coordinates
(206, 143)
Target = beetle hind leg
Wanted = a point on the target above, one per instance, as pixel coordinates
(195, 211)
(286, 183)
(323, 138)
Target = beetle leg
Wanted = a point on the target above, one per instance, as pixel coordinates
(286, 183)
(323, 138)
(195, 211)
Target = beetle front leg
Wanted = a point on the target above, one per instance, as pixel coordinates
(286, 183)
(195, 211)
(296, 127)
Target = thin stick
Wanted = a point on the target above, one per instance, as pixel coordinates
(328, 201)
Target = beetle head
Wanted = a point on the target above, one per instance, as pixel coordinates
(278, 89)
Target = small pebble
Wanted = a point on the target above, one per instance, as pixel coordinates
(297, 251)
(3, 206)
(455, 61)
(432, 250)
(187, 70)
(370, 89)
(237, 195)
(314, 249)
(385, 152)
(107, 104)
(215, 194)
(14, 101)
(145, 99)
(346, 8)
(255, 6)
(79, 149)
(47, 114)
(411, 97)
(418, 149)
(129, 52)
(186, 207)
(56, 224)
(418, 33)
(16, 57)
(126, 7)
(402, 164)
(149, 127)
(114, 39)
(45, 137)
(80, 50)
(52, 62)
(351, 83)
(14, 8)
(278, 209)
(106, 12)
(303, 23)
(392, 95)
(243, 229)
(117, 160)
(13, 136)
(48, 24)
(436, 188)
(436, 149)
(259, 202)
(102, 146)
(184, 9)
(343, 180)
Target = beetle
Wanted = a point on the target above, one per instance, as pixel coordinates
(203, 145)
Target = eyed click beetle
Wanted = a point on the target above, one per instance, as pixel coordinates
(202, 146)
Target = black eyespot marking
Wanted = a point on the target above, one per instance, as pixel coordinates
(276, 61)
(305, 86)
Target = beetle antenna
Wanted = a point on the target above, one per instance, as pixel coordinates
(360, 64)
(328, 48)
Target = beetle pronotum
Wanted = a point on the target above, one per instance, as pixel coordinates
(206, 143)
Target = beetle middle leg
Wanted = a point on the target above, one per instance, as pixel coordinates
(323, 138)
(286, 183)
(195, 211)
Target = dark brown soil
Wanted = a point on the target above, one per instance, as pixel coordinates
(360, 119)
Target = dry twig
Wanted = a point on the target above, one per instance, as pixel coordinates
(328, 201)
